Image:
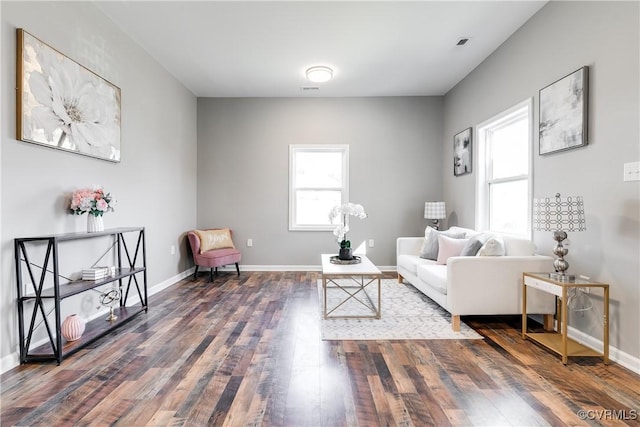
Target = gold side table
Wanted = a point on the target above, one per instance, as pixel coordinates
(558, 341)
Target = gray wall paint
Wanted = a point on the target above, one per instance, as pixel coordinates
(243, 148)
(155, 183)
(561, 38)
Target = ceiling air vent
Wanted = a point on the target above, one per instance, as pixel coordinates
(462, 41)
(309, 88)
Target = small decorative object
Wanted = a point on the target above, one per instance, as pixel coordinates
(462, 152)
(435, 211)
(559, 214)
(94, 202)
(111, 299)
(341, 212)
(97, 273)
(563, 113)
(63, 105)
(94, 223)
(72, 328)
(336, 260)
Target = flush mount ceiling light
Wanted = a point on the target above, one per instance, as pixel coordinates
(319, 74)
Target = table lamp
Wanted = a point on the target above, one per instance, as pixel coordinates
(559, 215)
(435, 211)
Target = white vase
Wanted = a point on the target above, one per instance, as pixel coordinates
(94, 223)
(72, 327)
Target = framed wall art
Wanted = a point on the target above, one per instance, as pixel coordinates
(563, 113)
(63, 105)
(462, 152)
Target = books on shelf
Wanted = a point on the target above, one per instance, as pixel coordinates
(97, 273)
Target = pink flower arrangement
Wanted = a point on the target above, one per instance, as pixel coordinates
(93, 201)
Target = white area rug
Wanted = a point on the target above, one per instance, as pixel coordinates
(407, 314)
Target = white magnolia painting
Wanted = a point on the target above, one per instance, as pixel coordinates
(563, 113)
(63, 105)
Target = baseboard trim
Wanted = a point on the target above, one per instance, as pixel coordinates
(245, 267)
(169, 282)
(616, 355)
(10, 361)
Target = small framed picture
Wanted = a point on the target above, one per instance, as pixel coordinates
(462, 152)
(563, 113)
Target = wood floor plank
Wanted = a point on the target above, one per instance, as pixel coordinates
(247, 352)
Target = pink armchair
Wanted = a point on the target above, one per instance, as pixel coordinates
(213, 258)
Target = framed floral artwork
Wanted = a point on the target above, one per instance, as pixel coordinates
(63, 105)
(563, 113)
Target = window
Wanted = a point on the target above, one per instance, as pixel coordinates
(318, 181)
(504, 172)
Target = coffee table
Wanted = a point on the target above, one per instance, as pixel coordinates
(356, 279)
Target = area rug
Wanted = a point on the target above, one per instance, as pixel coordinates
(407, 314)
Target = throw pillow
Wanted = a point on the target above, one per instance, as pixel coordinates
(214, 239)
(493, 247)
(425, 249)
(474, 244)
(449, 247)
(429, 248)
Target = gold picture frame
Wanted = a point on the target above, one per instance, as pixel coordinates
(64, 105)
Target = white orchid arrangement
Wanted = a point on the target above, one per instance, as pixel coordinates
(342, 211)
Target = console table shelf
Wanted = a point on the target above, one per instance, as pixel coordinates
(94, 330)
(126, 277)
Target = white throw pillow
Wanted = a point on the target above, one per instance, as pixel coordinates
(449, 247)
(492, 247)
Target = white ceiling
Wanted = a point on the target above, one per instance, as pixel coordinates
(262, 49)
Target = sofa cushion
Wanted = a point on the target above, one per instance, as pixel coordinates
(516, 246)
(222, 256)
(449, 247)
(429, 248)
(411, 262)
(434, 275)
(468, 232)
(474, 244)
(492, 247)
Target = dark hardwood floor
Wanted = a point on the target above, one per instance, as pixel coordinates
(247, 352)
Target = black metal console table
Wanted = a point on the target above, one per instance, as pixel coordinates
(57, 348)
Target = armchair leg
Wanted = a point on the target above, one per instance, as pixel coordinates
(195, 273)
(211, 275)
(238, 269)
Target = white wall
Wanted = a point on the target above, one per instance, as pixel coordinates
(155, 183)
(559, 39)
(243, 149)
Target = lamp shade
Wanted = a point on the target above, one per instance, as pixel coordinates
(435, 210)
(559, 213)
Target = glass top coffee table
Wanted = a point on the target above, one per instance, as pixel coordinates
(353, 290)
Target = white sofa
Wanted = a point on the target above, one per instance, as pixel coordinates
(477, 285)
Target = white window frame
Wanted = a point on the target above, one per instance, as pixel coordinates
(483, 182)
(306, 148)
